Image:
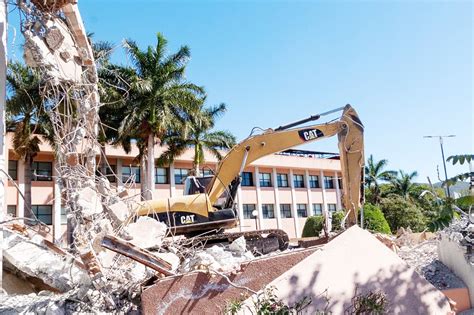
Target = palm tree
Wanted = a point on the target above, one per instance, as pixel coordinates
(374, 173)
(403, 183)
(25, 109)
(158, 99)
(200, 137)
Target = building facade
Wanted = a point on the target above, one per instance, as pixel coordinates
(282, 189)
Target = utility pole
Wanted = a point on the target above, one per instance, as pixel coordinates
(444, 160)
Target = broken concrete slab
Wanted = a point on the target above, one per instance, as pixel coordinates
(453, 255)
(118, 211)
(38, 261)
(204, 293)
(89, 202)
(146, 232)
(357, 260)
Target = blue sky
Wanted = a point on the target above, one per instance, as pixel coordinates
(405, 66)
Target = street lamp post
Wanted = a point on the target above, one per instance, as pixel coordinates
(444, 160)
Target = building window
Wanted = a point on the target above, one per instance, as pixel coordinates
(339, 180)
(317, 209)
(110, 171)
(331, 207)
(247, 179)
(131, 173)
(301, 210)
(42, 171)
(63, 216)
(161, 175)
(285, 210)
(298, 180)
(43, 213)
(11, 210)
(180, 175)
(267, 210)
(248, 209)
(265, 180)
(313, 181)
(282, 180)
(13, 169)
(328, 182)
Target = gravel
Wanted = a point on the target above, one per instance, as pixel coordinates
(424, 258)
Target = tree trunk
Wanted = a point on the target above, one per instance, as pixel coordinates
(150, 175)
(27, 208)
(143, 175)
(197, 171)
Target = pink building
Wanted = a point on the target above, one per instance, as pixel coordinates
(284, 188)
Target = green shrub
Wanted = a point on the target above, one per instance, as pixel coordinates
(374, 219)
(313, 226)
(399, 212)
(337, 218)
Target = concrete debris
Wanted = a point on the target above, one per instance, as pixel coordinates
(146, 232)
(455, 250)
(88, 201)
(138, 254)
(424, 258)
(37, 261)
(118, 211)
(356, 259)
(219, 258)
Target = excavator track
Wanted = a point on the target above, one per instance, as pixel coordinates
(260, 242)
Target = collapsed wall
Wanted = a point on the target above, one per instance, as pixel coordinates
(455, 251)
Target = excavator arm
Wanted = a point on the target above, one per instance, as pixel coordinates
(200, 211)
(351, 148)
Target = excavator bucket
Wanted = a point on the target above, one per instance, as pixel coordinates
(351, 149)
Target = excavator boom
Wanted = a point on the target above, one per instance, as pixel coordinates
(200, 210)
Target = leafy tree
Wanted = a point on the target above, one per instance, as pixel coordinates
(199, 136)
(403, 184)
(374, 219)
(313, 226)
(336, 220)
(400, 212)
(158, 98)
(374, 174)
(24, 106)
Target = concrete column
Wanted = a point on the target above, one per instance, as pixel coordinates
(325, 206)
(323, 190)
(338, 191)
(20, 207)
(119, 173)
(172, 183)
(276, 207)
(56, 206)
(308, 190)
(259, 199)
(293, 204)
(240, 208)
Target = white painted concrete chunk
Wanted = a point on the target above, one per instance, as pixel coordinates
(39, 262)
(146, 232)
(89, 202)
(356, 259)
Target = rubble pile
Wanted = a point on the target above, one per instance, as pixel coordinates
(424, 258)
(109, 276)
(461, 231)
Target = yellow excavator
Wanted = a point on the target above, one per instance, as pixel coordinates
(208, 205)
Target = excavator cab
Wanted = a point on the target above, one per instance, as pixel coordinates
(197, 184)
